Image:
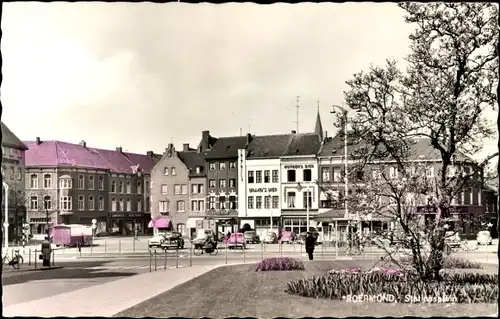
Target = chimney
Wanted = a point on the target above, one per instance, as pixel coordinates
(149, 153)
(119, 149)
(83, 143)
(249, 138)
(185, 147)
(294, 132)
(38, 142)
(205, 140)
(170, 150)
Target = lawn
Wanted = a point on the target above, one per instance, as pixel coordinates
(240, 291)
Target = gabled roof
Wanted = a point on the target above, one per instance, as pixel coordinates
(192, 160)
(268, 146)
(226, 147)
(303, 144)
(9, 139)
(57, 153)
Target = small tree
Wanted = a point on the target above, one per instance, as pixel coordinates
(450, 80)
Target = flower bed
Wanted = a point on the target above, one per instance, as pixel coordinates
(276, 264)
(401, 286)
(451, 263)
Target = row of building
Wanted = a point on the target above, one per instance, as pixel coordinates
(268, 182)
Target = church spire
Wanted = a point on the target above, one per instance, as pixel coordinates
(318, 129)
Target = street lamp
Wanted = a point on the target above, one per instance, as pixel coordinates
(345, 118)
(6, 221)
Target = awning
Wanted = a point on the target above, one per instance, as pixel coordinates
(331, 214)
(191, 222)
(159, 223)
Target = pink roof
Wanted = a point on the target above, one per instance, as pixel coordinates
(56, 153)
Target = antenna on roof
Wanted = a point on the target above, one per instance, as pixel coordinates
(297, 121)
(241, 131)
(248, 128)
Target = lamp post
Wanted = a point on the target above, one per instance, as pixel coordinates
(6, 220)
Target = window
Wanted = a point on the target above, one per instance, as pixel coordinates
(275, 176)
(65, 203)
(198, 169)
(147, 187)
(267, 176)
(222, 183)
(258, 202)
(393, 172)
(101, 203)
(412, 170)
(129, 205)
(113, 187)
(129, 188)
(429, 171)
(91, 203)
(232, 202)
(34, 181)
(211, 183)
(201, 205)
(18, 174)
(81, 202)
(337, 174)
(177, 189)
(81, 182)
(232, 165)
(113, 205)
(91, 182)
(120, 187)
(165, 171)
(47, 181)
(163, 206)
(222, 202)
(291, 199)
(211, 203)
(122, 205)
(232, 183)
(194, 188)
(307, 199)
(194, 205)
(291, 175)
(34, 203)
(164, 189)
(325, 174)
(258, 177)
(181, 228)
(267, 202)
(250, 177)
(276, 201)
(139, 205)
(181, 206)
(201, 189)
(250, 202)
(12, 173)
(172, 171)
(184, 189)
(377, 174)
(139, 188)
(222, 166)
(100, 183)
(211, 166)
(307, 175)
(452, 171)
(47, 202)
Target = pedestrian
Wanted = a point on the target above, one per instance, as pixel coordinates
(310, 243)
(136, 234)
(46, 250)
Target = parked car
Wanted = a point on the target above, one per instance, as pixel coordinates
(286, 237)
(251, 237)
(236, 240)
(270, 238)
(156, 240)
(484, 238)
(173, 240)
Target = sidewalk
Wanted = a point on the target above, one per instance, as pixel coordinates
(110, 298)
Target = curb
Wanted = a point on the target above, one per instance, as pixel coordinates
(45, 268)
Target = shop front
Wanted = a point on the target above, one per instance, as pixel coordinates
(125, 224)
(223, 220)
(466, 219)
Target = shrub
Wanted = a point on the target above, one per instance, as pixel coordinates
(285, 263)
(452, 263)
(401, 286)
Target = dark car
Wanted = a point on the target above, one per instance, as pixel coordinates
(173, 240)
(251, 237)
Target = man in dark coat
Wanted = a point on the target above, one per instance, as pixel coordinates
(310, 243)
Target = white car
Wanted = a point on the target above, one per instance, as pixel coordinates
(484, 238)
(156, 241)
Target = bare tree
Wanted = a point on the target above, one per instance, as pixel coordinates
(449, 82)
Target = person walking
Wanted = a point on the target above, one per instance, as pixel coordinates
(310, 243)
(46, 250)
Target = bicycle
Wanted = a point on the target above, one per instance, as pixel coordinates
(16, 261)
(200, 249)
(351, 251)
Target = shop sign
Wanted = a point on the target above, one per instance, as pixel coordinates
(299, 166)
(119, 215)
(263, 190)
(10, 160)
(223, 213)
(134, 215)
(433, 210)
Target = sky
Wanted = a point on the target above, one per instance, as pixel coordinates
(142, 75)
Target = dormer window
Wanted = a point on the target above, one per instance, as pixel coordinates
(198, 169)
(166, 171)
(232, 165)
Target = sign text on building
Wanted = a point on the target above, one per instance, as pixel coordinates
(299, 166)
(263, 190)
